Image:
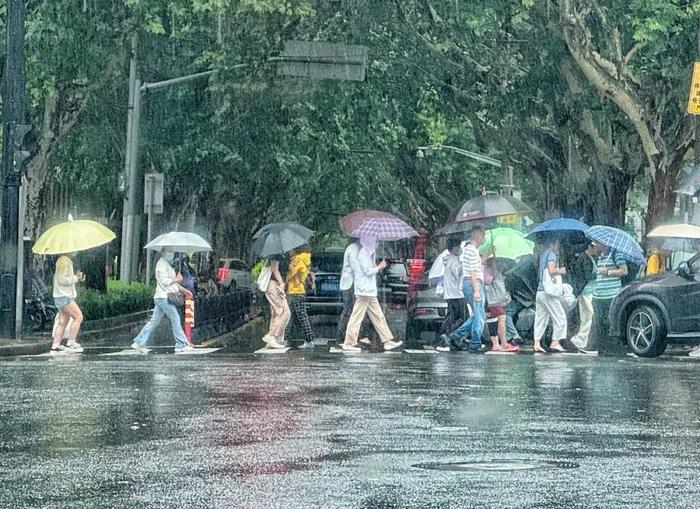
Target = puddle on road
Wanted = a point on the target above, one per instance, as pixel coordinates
(497, 465)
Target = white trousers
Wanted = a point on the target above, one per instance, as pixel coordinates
(546, 307)
(585, 309)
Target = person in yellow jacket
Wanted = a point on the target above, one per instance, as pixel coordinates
(297, 276)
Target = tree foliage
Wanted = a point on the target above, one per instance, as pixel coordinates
(582, 98)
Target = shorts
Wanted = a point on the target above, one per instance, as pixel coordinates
(495, 310)
(62, 302)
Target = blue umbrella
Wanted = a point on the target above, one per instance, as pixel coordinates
(570, 231)
(558, 225)
(619, 241)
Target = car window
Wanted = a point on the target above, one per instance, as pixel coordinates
(327, 262)
(238, 265)
(694, 265)
(397, 269)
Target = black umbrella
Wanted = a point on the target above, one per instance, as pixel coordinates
(489, 206)
(280, 238)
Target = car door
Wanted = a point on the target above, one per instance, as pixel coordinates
(684, 302)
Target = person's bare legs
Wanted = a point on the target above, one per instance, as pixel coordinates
(502, 330)
(63, 319)
(73, 311)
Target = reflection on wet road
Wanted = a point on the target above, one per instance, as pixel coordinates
(322, 430)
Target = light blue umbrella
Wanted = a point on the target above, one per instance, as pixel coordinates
(619, 241)
(558, 225)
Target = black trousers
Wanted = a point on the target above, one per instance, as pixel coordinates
(300, 318)
(456, 315)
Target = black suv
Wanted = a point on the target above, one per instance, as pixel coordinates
(654, 310)
(326, 299)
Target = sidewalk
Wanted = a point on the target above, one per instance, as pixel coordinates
(30, 345)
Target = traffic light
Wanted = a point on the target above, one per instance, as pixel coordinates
(694, 96)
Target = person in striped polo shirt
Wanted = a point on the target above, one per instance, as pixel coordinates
(473, 288)
(612, 267)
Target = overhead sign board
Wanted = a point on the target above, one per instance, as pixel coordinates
(323, 60)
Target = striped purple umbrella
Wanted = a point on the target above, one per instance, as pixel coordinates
(384, 228)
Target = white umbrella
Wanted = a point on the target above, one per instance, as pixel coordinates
(676, 231)
(181, 242)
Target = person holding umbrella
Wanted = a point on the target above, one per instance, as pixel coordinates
(549, 306)
(364, 271)
(617, 250)
(274, 241)
(168, 287)
(64, 294)
(71, 236)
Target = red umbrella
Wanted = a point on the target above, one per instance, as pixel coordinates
(352, 221)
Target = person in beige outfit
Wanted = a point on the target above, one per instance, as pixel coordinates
(279, 307)
(364, 271)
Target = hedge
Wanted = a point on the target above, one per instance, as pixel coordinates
(120, 299)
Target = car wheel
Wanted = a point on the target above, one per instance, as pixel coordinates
(646, 332)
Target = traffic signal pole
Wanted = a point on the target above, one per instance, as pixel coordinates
(13, 156)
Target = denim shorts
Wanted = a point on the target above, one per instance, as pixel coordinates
(62, 302)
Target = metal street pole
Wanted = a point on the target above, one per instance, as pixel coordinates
(124, 267)
(14, 131)
(696, 147)
(19, 297)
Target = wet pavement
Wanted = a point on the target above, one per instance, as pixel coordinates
(307, 430)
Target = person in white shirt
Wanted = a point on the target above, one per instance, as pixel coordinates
(473, 288)
(346, 287)
(453, 294)
(364, 273)
(167, 282)
(64, 295)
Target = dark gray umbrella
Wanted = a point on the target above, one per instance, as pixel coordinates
(489, 206)
(279, 238)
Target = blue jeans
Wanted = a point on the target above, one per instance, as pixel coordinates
(163, 307)
(474, 326)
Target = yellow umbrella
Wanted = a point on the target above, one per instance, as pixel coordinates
(73, 236)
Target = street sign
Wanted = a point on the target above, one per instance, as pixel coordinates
(323, 60)
(694, 96)
(153, 193)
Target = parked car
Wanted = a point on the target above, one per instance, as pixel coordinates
(233, 273)
(395, 279)
(653, 311)
(326, 298)
(425, 313)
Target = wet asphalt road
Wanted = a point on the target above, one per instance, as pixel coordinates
(323, 430)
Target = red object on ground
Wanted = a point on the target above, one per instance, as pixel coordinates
(189, 318)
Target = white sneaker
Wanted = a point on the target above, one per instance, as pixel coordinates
(273, 344)
(139, 348)
(185, 349)
(442, 348)
(365, 341)
(307, 345)
(59, 350)
(695, 352)
(392, 345)
(351, 348)
(267, 338)
(75, 347)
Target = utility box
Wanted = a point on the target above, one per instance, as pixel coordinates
(154, 184)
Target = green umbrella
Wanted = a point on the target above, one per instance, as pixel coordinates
(506, 243)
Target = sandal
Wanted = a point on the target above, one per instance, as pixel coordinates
(540, 349)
